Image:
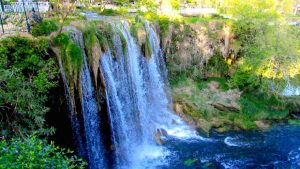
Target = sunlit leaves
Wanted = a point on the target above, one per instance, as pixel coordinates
(32, 152)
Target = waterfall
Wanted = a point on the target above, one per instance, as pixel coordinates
(290, 89)
(138, 102)
(90, 110)
(81, 151)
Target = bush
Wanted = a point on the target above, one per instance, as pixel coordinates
(27, 73)
(61, 40)
(216, 65)
(243, 79)
(44, 28)
(33, 152)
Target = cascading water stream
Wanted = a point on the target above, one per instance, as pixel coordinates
(137, 102)
(90, 109)
(161, 112)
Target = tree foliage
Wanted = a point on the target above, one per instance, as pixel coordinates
(32, 152)
(26, 75)
(233, 6)
(238, 7)
(270, 48)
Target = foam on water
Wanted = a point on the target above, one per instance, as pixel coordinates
(235, 142)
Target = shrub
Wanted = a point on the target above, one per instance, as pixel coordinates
(217, 65)
(243, 79)
(61, 40)
(27, 73)
(44, 28)
(32, 152)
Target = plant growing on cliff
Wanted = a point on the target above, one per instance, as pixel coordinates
(32, 152)
(216, 65)
(44, 28)
(27, 73)
(73, 60)
(71, 56)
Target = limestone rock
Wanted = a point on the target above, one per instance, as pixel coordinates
(177, 108)
(141, 35)
(226, 107)
(160, 135)
(263, 125)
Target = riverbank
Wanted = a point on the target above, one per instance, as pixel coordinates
(212, 105)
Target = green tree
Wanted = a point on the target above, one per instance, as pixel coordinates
(26, 75)
(270, 48)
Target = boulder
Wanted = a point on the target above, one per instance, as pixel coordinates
(164, 132)
(177, 108)
(263, 125)
(159, 136)
(226, 107)
(226, 101)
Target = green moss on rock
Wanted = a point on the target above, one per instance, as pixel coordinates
(71, 56)
(148, 48)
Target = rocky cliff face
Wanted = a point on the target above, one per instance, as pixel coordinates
(194, 44)
(188, 49)
(200, 59)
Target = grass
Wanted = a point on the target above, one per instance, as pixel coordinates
(134, 28)
(67, 21)
(294, 122)
(194, 19)
(259, 106)
(74, 60)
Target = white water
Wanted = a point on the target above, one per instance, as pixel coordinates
(138, 102)
(91, 122)
(290, 90)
